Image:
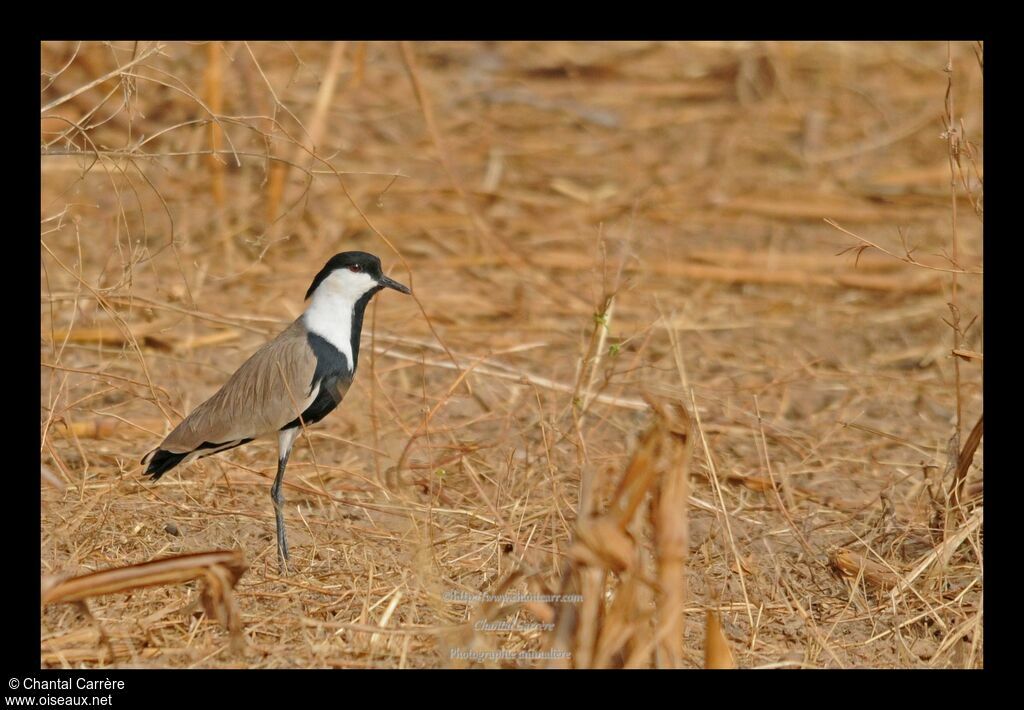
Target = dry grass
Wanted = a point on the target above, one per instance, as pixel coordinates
(586, 226)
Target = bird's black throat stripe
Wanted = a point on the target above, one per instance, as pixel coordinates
(357, 322)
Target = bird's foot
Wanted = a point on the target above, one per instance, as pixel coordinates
(282, 555)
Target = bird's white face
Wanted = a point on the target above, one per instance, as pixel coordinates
(332, 307)
(344, 286)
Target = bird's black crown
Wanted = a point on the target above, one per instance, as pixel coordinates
(364, 261)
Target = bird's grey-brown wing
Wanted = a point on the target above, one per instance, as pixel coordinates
(269, 390)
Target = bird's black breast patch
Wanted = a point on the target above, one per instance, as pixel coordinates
(330, 362)
(332, 373)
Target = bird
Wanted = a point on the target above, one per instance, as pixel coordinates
(295, 380)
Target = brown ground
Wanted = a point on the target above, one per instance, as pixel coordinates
(517, 187)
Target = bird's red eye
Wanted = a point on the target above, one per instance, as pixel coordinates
(355, 268)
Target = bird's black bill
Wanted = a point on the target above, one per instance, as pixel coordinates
(391, 283)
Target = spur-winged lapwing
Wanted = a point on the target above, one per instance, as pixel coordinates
(296, 379)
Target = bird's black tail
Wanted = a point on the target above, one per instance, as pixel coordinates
(160, 462)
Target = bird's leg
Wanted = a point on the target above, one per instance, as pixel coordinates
(278, 497)
(285, 441)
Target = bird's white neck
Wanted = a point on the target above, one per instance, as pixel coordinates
(331, 310)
